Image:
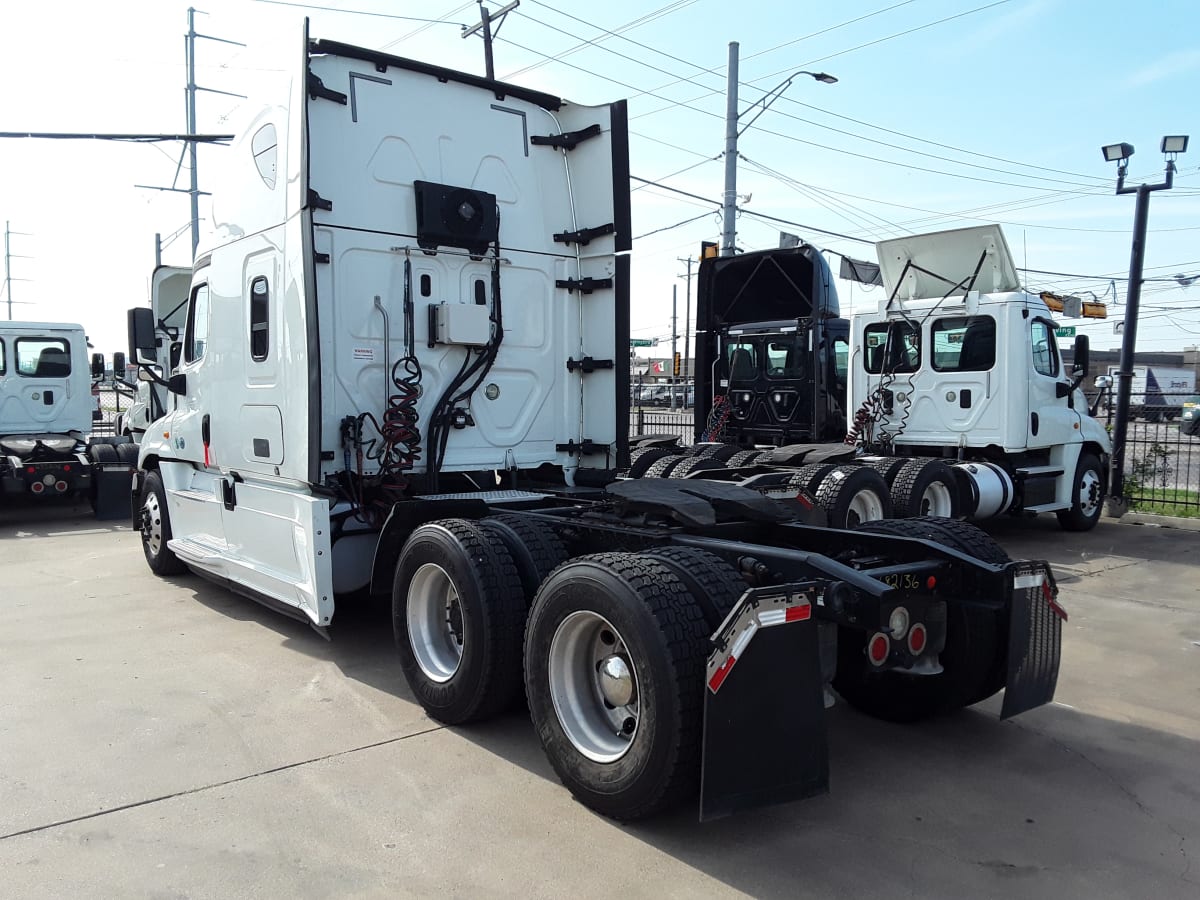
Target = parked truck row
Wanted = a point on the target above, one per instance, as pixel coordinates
(400, 370)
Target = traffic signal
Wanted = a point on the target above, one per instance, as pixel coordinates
(676, 365)
(709, 250)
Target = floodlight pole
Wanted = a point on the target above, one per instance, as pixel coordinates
(1117, 505)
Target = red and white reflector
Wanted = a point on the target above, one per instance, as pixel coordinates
(743, 623)
(1039, 580)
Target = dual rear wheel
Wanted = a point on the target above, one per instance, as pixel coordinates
(610, 649)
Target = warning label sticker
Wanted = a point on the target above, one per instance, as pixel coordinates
(364, 354)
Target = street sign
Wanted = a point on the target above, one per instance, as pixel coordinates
(1065, 331)
(643, 342)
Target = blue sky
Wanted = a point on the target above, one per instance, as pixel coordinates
(946, 114)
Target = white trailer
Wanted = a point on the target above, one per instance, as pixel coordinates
(1156, 392)
(403, 369)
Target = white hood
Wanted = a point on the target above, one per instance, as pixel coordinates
(953, 257)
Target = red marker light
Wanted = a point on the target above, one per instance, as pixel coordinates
(917, 639)
(67, 468)
(878, 648)
(930, 583)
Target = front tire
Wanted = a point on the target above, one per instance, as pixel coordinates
(458, 613)
(155, 524)
(614, 674)
(1087, 495)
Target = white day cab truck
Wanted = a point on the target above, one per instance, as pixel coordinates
(403, 371)
(47, 409)
(953, 395)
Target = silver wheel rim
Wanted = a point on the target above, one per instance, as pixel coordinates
(866, 506)
(1089, 492)
(152, 530)
(594, 687)
(936, 500)
(435, 623)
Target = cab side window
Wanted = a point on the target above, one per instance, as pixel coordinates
(3, 365)
(892, 347)
(43, 357)
(196, 338)
(260, 311)
(1045, 350)
(964, 344)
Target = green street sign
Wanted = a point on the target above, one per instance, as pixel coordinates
(643, 342)
(1065, 331)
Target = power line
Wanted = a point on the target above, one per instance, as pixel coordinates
(359, 12)
(676, 225)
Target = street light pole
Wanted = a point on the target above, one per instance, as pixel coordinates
(732, 133)
(1116, 502)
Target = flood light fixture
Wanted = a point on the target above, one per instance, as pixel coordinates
(1117, 152)
(1175, 143)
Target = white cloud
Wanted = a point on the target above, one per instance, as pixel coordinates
(1168, 67)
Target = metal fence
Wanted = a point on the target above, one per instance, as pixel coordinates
(659, 420)
(1162, 452)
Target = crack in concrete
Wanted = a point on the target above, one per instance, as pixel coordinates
(217, 784)
(1112, 779)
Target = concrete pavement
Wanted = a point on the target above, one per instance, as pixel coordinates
(165, 738)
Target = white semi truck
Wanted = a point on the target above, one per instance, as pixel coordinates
(47, 411)
(403, 370)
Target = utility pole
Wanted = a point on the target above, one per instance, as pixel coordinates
(190, 53)
(484, 28)
(729, 204)
(687, 325)
(1120, 153)
(674, 337)
(732, 133)
(9, 256)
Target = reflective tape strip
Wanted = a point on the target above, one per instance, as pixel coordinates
(714, 683)
(1032, 580)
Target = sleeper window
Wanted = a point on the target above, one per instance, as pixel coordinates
(260, 311)
(197, 324)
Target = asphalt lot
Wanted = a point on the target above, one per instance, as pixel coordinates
(165, 738)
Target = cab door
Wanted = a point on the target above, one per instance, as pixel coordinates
(1051, 419)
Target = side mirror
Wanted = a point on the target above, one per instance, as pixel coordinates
(177, 384)
(1081, 357)
(142, 343)
(176, 352)
(119, 366)
(1103, 382)
(97, 365)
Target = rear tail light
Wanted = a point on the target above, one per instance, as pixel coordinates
(60, 486)
(37, 487)
(917, 639)
(878, 648)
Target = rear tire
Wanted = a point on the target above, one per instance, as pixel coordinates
(851, 495)
(662, 467)
(808, 478)
(1087, 495)
(458, 611)
(715, 585)
(924, 487)
(535, 548)
(155, 523)
(615, 652)
(642, 459)
(695, 464)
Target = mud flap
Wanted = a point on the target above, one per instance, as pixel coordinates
(110, 490)
(1034, 639)
(764, 716)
